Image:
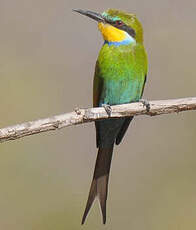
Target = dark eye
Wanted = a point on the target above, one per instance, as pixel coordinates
(119, 23)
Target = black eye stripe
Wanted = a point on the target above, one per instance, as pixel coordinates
(129, 30)
(124, 27)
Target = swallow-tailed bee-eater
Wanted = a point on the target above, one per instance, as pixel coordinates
(120, 76)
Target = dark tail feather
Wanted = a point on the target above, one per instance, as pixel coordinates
(99, 185)
(123, 130)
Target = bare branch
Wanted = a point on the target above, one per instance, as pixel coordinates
(80, 116)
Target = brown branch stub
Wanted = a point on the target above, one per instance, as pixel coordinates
(80, 116)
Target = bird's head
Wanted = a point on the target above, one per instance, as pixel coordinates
(117, 26)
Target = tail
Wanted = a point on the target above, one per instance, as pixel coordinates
(99, 185)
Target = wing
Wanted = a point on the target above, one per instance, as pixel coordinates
(126, 123)
(106, 130)
(97, 87)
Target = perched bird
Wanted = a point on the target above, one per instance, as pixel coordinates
(120, 76)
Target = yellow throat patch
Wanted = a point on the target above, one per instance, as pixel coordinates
(111, 33)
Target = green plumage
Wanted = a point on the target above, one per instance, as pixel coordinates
(120, 74)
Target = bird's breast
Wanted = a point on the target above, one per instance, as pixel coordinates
(116, 62)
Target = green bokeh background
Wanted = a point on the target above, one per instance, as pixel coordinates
(47, 58)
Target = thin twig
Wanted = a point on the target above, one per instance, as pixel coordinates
(80, 116)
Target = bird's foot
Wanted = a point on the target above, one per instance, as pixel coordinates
(108, 109)
(77, 110)
(146, 104)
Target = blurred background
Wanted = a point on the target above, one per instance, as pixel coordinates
(47, 58)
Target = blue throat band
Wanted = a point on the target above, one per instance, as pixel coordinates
(124, 42)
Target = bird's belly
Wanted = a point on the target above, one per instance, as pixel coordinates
(121, 91)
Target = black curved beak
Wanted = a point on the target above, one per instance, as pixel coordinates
(96, 16)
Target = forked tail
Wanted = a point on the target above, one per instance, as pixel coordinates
(99, 185)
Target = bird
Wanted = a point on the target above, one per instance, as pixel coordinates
(120, 77)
